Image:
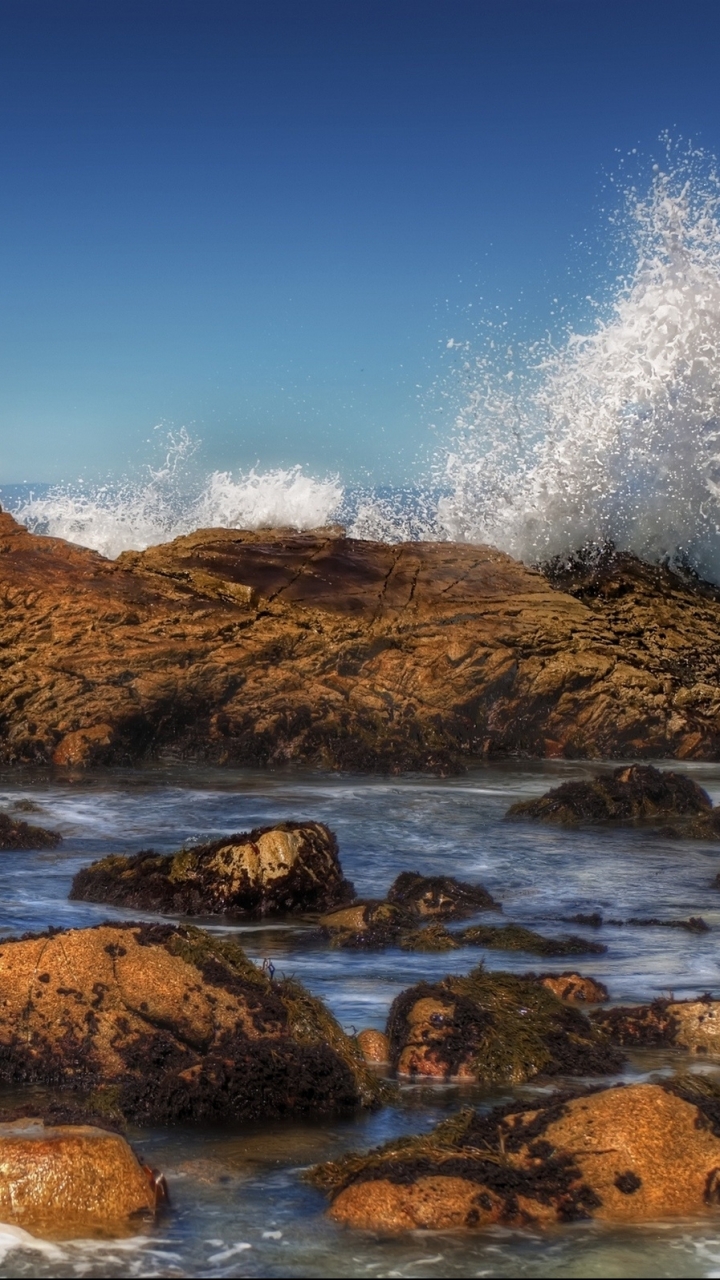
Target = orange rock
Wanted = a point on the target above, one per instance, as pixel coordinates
(575, 987)
(68, 1179)
(375, 1046)
(274, 646)
(435, 1203)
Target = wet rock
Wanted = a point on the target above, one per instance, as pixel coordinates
(633, 1154)
(575, 987)
(375, 1046)
(514, 937)
(433, 937)
(17, 834)
(685, 1024)
(694, 924)
(66, 1180)
(169, 1024)
(371, 922)
(496, 1028)
(258, 648)
(439, 897)
(632, 795)
(290, 867)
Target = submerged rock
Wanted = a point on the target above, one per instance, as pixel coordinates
(439, 897)
(628, 1154)
(515, 937)
(293, 866)
(17, 834)
(168, 1024)
(575, 987)
(432, 937)
(496, 1028)
(686, 1024)
(370, 922)
(69, 1179)
(636, 794)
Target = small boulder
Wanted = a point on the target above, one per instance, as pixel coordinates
(631, 795)
(374, 1046)
(439, 897)
(693, 1025)
(630, 1154)
(515, 937)
(17, 834)
(433, 937)
(170, 1023)
(291, 867)
(574, 987)
(66, 1180)
(370, 922)
(495, 1028)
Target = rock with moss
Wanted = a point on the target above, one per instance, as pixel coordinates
(496, 1028)
(290, 867)
(15, 833)
(633, 795)
(633, 1154)
(515, 937)
(439, 897)
(170, 1023)
(432, 937)
(693, 1025)
(578, 988)
(370, 923)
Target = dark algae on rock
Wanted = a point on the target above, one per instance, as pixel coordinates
(692, 1025)
(18, 834)
(515, 937)
(439, 897)
(496, 1028)
(170, 1024)
(289, 867)
(631, 795)
(626, 1154)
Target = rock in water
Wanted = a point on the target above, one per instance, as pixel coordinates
(370, 922)
(496, 1028)
(439, 897)
(66, 1180)
(16, 834)
(633, 1154)
(575, 987)
(170, 1024)
(290, 867)
(685, 1024)
(631, 795)
(258, 648)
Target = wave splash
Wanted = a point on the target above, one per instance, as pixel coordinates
(167, 502)
(615, 437)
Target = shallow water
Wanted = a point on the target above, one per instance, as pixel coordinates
(239, 1205)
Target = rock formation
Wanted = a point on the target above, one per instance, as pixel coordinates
(693, 1025)
(496, 1028)
(168, 1024)
(266, 647)
(439, 897)
(634, 795)
(634, 1154)
(70, 1179)
(290, 867)
(575, 987)
(17, 834)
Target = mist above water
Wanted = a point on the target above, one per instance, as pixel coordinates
(611, 436)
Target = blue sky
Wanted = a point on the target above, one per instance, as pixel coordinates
(264, 220)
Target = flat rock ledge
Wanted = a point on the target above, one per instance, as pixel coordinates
(290, 867)
(637, 795)
(69, 1180)
(272, 647)
(159, 1023)
(636, 1153)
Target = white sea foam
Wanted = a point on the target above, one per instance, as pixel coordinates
(168, 501)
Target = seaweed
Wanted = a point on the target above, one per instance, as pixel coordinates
(19, 835)
(434, 937)
(515, 937)
(441, 897)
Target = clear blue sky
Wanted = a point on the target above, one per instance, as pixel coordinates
(265, 219)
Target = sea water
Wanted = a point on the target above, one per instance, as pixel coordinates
(238, 1203)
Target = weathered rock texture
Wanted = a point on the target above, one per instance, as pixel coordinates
(439, 897)
(259, 647)
(290, 867)
(576, 987)
(633, 1154)
(69, 1179)
(496, 1028)
(168, 1023)
(687, 1024)
(17, 834)
(635, 795)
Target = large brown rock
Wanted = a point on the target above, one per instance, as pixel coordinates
(693, 1025)
(274, 646)
(69, 1179)
(633, 1154)
(169, 1023)
(290, 867)
(496, 1028)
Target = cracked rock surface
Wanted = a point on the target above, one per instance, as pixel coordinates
(273, 646)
